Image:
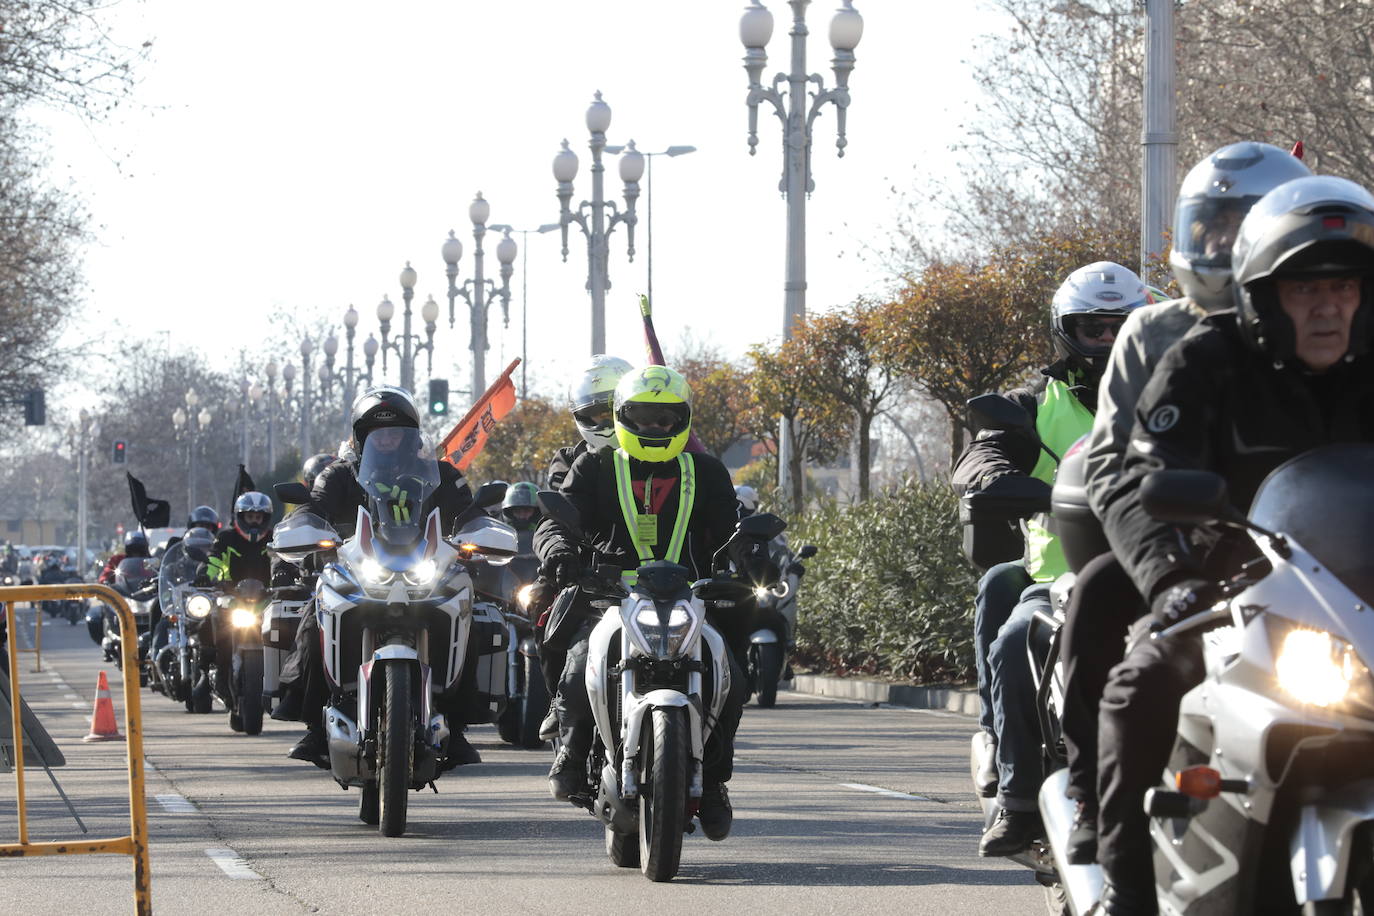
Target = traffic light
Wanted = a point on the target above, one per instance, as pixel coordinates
(35, 408)
(438, 397)
(120, 454)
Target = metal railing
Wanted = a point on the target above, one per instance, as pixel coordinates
(37, 648)
(136, 843)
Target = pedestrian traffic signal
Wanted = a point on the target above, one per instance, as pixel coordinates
(438, 397)
(35, 408)
(120, 454)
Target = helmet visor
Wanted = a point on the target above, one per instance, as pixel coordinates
(655, 421)
(1206, 227)
(594, 417)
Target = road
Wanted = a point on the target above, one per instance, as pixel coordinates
(839, 808)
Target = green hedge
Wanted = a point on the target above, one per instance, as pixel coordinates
(890, 592)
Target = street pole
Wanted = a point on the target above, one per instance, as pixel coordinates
(1159, 139)
(755, 29)
(306, 347)
(82, 499)
(271, 415)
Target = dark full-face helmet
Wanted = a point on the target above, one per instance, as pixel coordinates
(203, 517)
(313, 467)
(379, 406)
(135, 544)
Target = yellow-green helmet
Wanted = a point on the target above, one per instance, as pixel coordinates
(653, 413)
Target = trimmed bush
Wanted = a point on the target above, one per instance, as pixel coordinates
(890, 592)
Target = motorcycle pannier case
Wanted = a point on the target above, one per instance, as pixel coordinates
(486, 662)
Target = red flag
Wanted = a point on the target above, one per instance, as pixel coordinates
(1297, 150)
(656, 359)
(466, 439)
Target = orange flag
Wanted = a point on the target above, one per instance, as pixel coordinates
(466, 439)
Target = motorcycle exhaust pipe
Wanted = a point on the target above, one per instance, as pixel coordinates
(1082, 883)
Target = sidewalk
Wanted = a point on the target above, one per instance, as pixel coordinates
(961, 700)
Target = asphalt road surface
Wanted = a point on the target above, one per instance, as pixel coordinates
(839, 808)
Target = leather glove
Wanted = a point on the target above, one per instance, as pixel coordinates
(560, 570)
(1182, 600)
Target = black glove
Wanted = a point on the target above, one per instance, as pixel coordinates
(202, 581)
(1182, 600)
(561, 570)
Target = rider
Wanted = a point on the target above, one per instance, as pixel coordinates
(135, 545)
(652, 420)
(1287, 371)
(1087, 311)
(336, 496)
(520, 508)
(240, 551)
(1213, 199)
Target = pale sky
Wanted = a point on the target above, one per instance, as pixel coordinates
(294, 155)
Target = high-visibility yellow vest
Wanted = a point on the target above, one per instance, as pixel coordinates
(1060, 420)
(630, 509)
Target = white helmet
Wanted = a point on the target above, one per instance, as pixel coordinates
(590, 399)
(1212, 200)
(748, 498)
(1100, 289)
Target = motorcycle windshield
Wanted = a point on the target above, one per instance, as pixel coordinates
(176, 569)
(399, 473)
(1324, 500)
(133, 573)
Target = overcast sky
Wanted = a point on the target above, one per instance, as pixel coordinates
(294, 155)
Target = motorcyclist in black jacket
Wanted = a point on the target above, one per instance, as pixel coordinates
(337, 496)
(1285, 372)
(652, 422)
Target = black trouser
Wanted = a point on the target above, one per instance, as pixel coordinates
(1139, 720)
(1101, 610)
(575, 710)
(302, 671)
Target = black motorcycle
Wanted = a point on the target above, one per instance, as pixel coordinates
(236, 662)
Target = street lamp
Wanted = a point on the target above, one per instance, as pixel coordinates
(601, 226)
(524, 292)
(479, 291)
(407, 345)
(755, 28)
(183, 420)
(307, 346)
(670, 152)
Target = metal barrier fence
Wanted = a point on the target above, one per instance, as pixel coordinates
(136, 843)
(37, 649)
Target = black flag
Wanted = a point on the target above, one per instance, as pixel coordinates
(151, 513)
(244, 484)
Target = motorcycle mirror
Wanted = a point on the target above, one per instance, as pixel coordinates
(489, 494)
(556, 506)
(1186, 497)
(808, 551)
(764, 526)
(992, 411)
(292, 492)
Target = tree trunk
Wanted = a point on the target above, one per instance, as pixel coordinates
(796, 466)
(863, 450)
(956, 440)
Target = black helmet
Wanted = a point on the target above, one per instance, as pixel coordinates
(1315, 226)
(203, 517)
(382, 405)
(313, 466)
(135, 544)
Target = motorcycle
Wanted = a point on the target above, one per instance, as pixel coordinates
(776, 635)
(136, 580)
(236, 664)
(528, 695)
(173, 667)
(398, 622)
(654, 699)
(306, 543)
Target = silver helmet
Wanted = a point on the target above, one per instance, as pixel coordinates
(1212, 201)
(590, 399)
(1097, 290)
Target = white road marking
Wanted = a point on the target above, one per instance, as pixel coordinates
(232, 864)
(70, 696)
(175, 804)
(78, 706)
(939, 713)
(887, 793)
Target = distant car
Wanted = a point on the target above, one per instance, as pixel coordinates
(158, 538)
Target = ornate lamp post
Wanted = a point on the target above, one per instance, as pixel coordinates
(407, 345)
(790, 105)
(188, 420)
(479, 291)
(307, 347)
(271, 413)
(600, 226)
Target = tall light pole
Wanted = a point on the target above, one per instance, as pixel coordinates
(600, 226)
(271, 414)
(187, 420)
(407, 345)
(83, 439)
(255, 393)
(288, 376)
(524, 292)
(790, 105)
(307, 346)
(649, 203)
(1159, 169)
(479, 291)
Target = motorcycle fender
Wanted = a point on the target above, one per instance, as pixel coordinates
(1320, 845)
(635, 709)
(598, 678)
(720, 675)
(762, 637)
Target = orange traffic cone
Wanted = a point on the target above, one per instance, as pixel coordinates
(103, 727)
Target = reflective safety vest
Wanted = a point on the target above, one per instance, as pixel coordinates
(643, 526)
(1060, 420)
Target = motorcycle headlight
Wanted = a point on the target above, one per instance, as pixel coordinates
(198, 606)
(1319, 669)
(422, 573)
(374, 573)
(242, 618)
(524, 596)
(663, 635)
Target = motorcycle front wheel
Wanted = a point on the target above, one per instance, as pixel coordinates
(395, 749)
(534, 706)
(622, 849)
(663, 793)
(250, 692)
(769, 671)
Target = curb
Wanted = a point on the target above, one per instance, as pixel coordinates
(961, 700)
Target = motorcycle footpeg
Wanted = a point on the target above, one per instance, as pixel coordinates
(1163, 803)
(582, 800)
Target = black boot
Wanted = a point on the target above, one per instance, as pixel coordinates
(1125, 900)
(1012, 833)
(568, 776)
(313, 748)
(1083, 835)
(460, 752)
(715, 812)
(987, 765)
